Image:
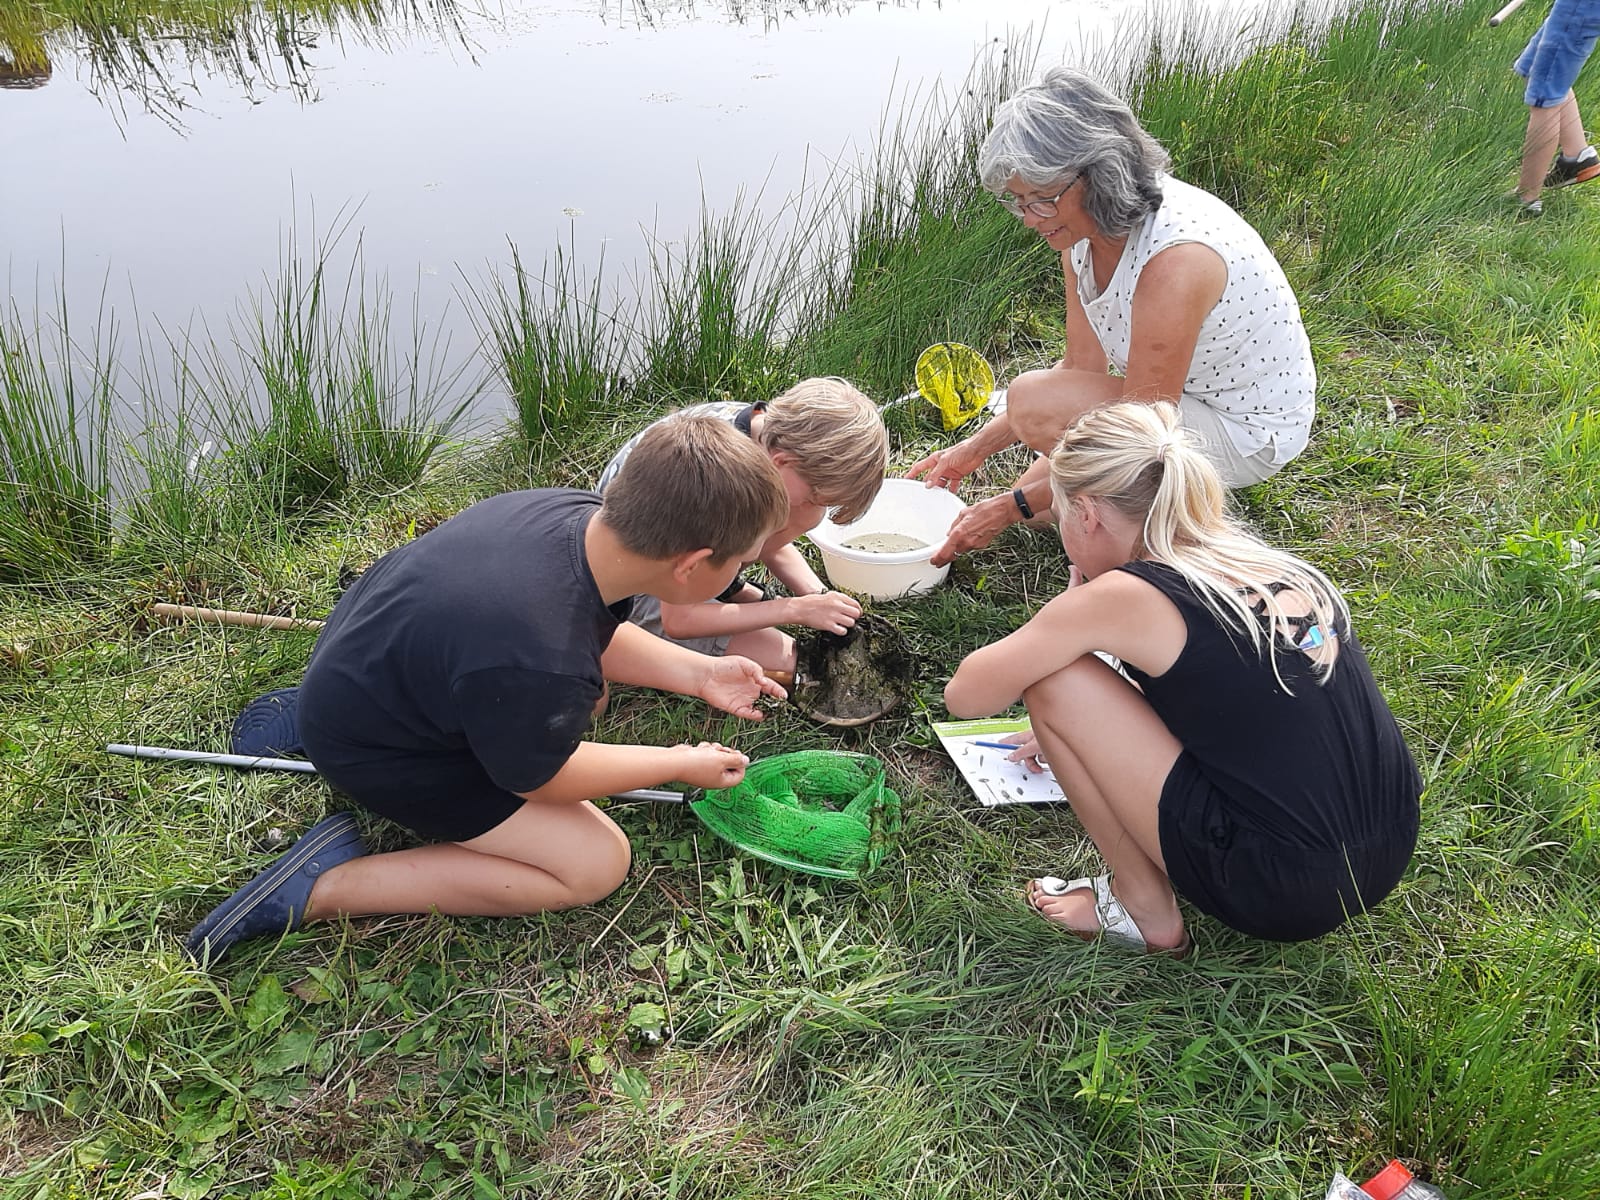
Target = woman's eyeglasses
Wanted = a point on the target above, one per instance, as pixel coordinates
(1039, 208)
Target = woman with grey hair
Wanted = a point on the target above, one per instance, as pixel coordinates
(1165, 284)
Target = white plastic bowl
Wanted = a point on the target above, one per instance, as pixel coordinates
(905, 506)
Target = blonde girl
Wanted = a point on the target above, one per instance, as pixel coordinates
(1251, 766)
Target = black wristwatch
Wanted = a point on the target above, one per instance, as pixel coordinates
(1022, 504)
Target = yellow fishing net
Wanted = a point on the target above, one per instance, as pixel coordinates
(956, 380)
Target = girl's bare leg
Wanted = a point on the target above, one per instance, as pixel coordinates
(542, 857)
(1112, 755)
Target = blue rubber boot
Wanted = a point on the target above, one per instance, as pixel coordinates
(267, 728)
(274, 902)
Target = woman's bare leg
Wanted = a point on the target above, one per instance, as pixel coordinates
(1112, 755)
(542, 857)
(1041, 404)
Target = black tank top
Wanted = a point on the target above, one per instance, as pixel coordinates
(1319, 766)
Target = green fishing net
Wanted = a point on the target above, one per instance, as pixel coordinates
(823, 811)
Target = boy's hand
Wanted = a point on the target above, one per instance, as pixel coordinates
(831, 612)
(735, 683)
(710, 765)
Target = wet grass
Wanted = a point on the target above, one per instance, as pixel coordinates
(916, 1034)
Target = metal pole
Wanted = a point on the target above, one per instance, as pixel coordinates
(638, 795)
(219, 760)
(1506, 12)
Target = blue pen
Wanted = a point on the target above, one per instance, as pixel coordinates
(995, 745)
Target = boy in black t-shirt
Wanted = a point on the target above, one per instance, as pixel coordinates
(452, 686)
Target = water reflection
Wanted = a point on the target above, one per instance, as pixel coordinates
(155, 55)
(769, 14)
(24, 61)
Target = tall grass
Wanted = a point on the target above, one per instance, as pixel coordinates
(714, 310)
(561, 348)
(1301, 133)
(56, 453)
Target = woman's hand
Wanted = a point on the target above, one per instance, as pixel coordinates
(947, 468)
(1026, 752)
(976, 526)
(831, 612)
(735, 683)
(710, 765)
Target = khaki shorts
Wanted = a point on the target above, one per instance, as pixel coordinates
(647, 615)
(1211, 429)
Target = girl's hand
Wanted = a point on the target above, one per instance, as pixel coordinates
(710, 765)
(831, 612)
(947, 468)
(1027, 751)
(735, 683)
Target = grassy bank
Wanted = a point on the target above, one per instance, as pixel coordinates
(918, 1034)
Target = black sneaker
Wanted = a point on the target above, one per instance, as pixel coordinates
(1567, 171)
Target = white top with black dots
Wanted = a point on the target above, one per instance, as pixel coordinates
(1252, 361)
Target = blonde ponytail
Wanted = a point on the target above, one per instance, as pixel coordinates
(1139, 460)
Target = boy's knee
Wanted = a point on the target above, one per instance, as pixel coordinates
(602, 870)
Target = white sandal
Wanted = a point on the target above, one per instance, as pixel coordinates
(1115, 923)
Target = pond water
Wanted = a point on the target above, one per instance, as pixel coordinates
(167, 178)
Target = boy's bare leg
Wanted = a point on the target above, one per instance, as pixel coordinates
(542, 857)
(772, 648)
(1112, 755)
(1545, 127)
(1571, 141)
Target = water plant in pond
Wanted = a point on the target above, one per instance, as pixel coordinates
(57, 468)
(320, 399)
(715, 306)
(560, 347)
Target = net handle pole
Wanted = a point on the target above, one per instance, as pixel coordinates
(263, 763)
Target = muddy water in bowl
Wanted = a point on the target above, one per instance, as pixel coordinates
(884, 543)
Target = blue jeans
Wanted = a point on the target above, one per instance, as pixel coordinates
(1556, 53)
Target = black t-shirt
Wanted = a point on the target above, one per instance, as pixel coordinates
(1321, 768)
(483, 637)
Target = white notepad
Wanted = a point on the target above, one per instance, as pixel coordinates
(993, 780)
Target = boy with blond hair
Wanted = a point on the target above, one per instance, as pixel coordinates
(831, 449)
(453, 685)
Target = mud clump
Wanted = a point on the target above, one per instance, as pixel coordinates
(852, 678)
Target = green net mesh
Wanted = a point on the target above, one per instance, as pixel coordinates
(823, 811)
